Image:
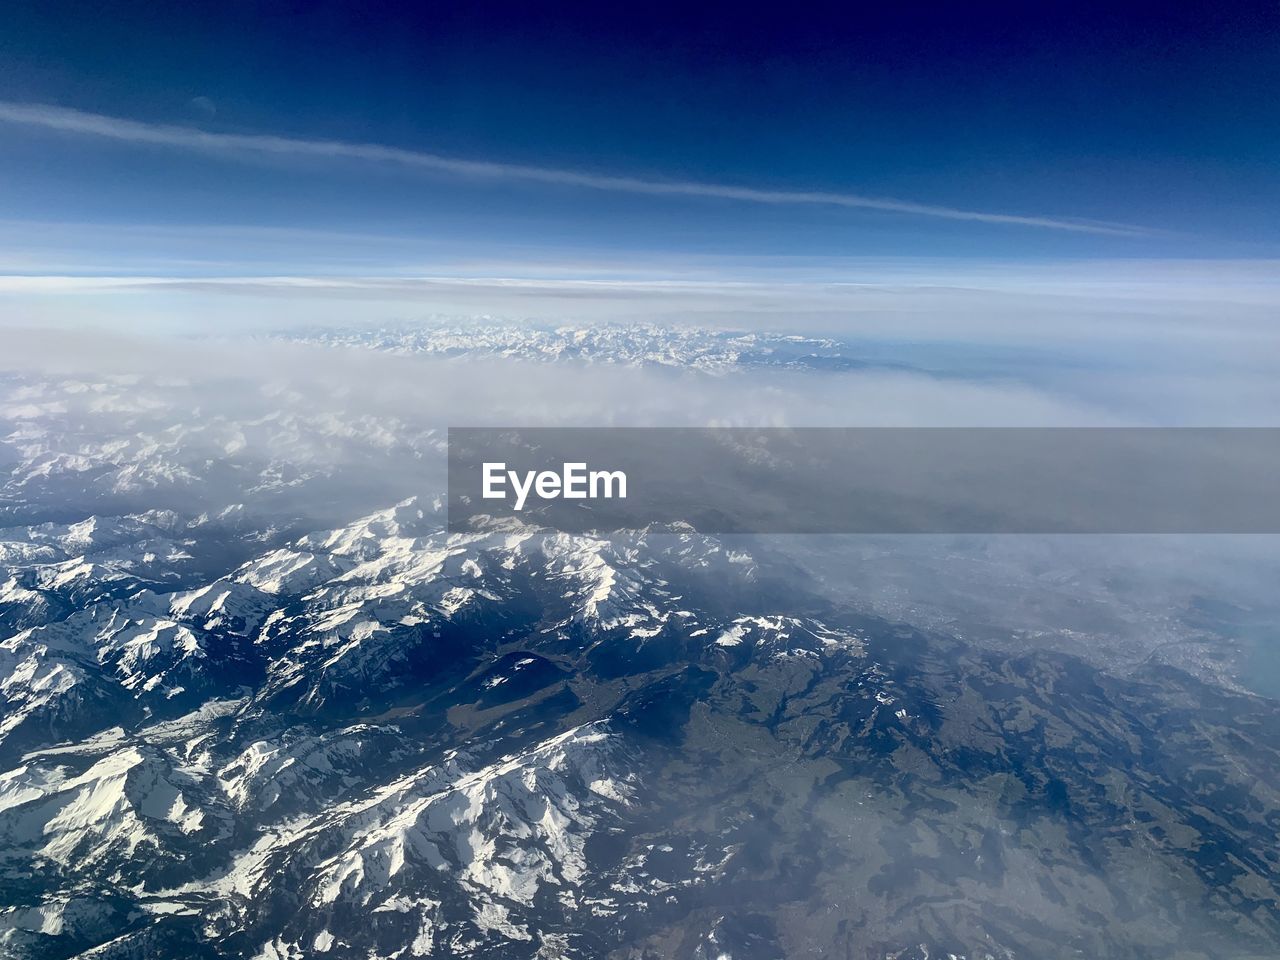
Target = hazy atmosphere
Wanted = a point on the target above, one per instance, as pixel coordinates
(264, 696)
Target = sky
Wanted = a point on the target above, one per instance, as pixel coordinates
(1076, 199)
(234, 139)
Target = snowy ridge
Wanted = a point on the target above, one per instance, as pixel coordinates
(465, 849)
(637, 345)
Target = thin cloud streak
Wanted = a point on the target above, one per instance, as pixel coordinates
(191, 138)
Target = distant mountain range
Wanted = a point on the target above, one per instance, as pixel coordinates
(638, 345)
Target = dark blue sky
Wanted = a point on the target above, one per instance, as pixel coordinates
(1163, 117)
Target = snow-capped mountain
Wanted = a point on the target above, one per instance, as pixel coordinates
(638, 345)
(382, 737)
(377, 638)
(257, 702)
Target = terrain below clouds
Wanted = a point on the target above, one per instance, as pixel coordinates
(258, 703)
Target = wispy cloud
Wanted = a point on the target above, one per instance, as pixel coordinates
(192, 138)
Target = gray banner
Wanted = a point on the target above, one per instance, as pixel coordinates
(866, 480)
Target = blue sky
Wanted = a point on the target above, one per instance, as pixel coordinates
(317, 138)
